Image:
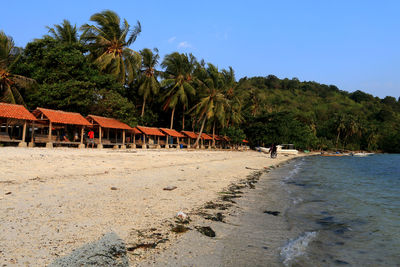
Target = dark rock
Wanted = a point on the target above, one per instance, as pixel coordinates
(8, 193)
(206, 230)
(220, 206)
(265, 247)
(217, 218)
(110, 250)
(339, 243)
(179, 228)
(170, 188)
(341, 262)
(113, 188)
(274, 213)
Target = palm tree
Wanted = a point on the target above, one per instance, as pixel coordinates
(234, 107)
(212, 106)
(9, 55)
(64, 33)
(109, 42)
(340, 127)
(179, 69)
(148, 84)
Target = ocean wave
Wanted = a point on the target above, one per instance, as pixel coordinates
(296, 247)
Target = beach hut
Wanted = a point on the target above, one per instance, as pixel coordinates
(244, 144)
(218, 141)
(190, 137)
(149, 135)
(170, 134)
(14, 116)
(49, 120)
(109, 131)
(206, 140)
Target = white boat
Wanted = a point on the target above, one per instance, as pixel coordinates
(362, 154)
(287, 149)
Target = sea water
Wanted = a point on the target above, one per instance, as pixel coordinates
(342, 211)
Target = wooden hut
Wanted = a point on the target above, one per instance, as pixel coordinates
(206, 140)
(190, 138)
(171, 135)
(14, 116)
(50, 120)
(151, 137)
(109, 131)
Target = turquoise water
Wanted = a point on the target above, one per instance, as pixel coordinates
(346, 211)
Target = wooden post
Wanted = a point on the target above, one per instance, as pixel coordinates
(23, 143)
(177, 140)
(100, 134)
(49, 144)
(50, 126)
(81, 145)
(32, 144)
(24, 132)
(144, 142)
(188, 146)
(108, 133)
(134, 141)
(123, 139)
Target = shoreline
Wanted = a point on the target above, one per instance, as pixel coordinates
(64, 199)
(250, 232)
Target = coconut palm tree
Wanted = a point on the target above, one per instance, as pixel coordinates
(234, 106)
(178, 82)
(109, 42)
(64, 33)
(148, 83)
(9, 55)
(212, 106)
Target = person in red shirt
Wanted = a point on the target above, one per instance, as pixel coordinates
(91, 138)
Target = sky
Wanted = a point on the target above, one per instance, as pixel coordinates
(352, 44)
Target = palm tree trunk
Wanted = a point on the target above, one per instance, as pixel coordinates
(144, 103)
(172, 118)
(183, 119)
(337, 139)
(201, 131)
(213, 140)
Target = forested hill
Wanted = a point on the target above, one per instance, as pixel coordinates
(334, 118)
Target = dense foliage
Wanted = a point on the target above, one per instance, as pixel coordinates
(93, 71)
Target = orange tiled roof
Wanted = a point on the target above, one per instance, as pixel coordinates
(136, 131)
(190, 134)
(150, 130)
(206, 136)
(245, 141)
(58, 116)
(15, 112)
(171, 132)
(226, 138)
(216, 137)
(109, 122)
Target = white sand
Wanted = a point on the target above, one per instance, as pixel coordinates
(61, 198)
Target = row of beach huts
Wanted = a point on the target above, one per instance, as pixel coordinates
(47, 127)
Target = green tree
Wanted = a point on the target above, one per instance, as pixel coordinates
(178, 82)
(67, 80)
(108, 42)
(65, 33)
(10, 82)
(212, 105)
(148, 83)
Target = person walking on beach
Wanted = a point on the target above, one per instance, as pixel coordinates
(91, 138)
(273, 151)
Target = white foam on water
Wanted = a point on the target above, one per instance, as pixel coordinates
(296, 247)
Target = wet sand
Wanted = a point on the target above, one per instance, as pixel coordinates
(53, 201)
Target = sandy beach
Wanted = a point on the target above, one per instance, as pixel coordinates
(54, 201)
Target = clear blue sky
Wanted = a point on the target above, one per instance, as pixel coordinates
(352, 44)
